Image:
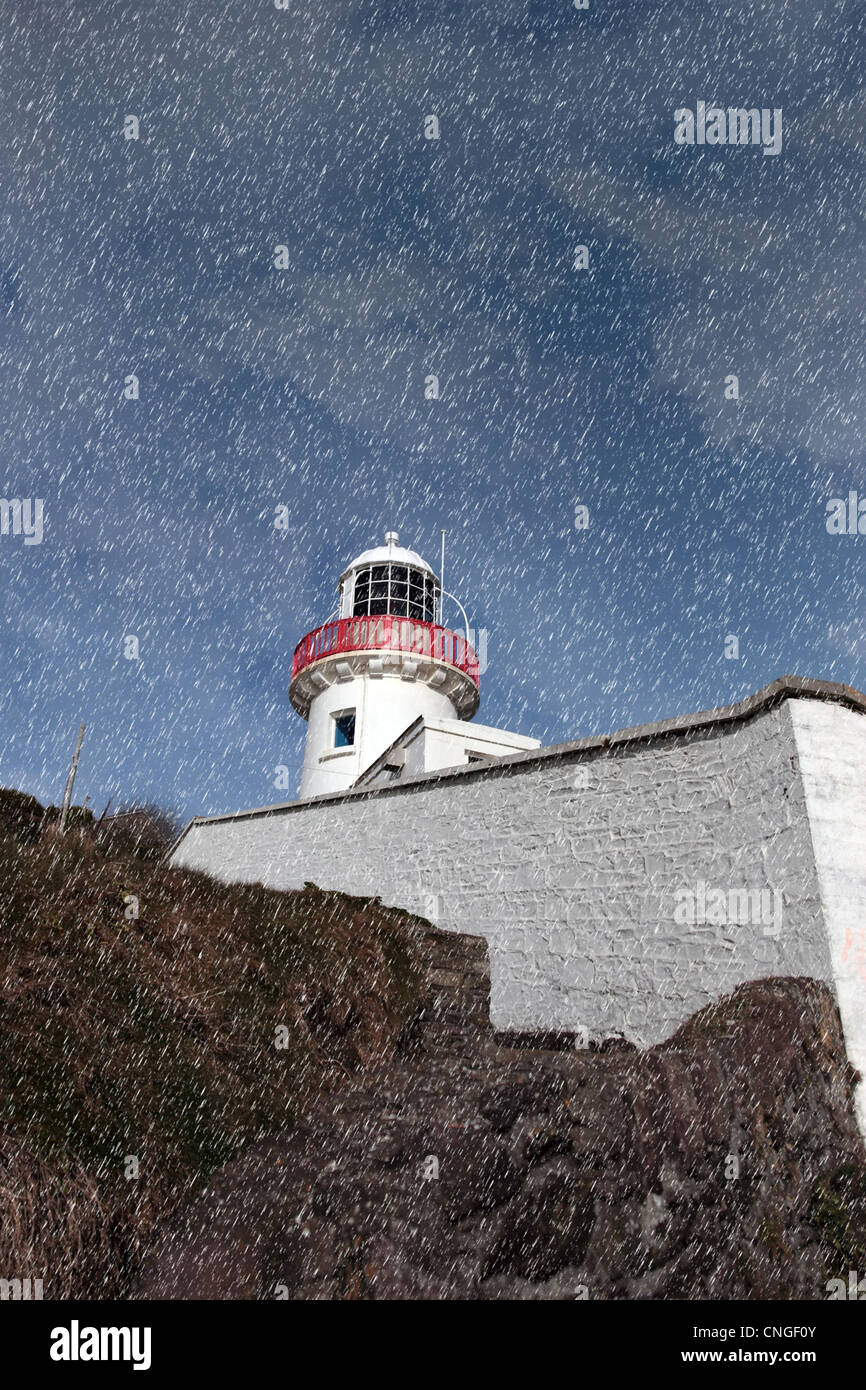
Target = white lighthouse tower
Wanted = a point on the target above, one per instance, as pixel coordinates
(385, 689)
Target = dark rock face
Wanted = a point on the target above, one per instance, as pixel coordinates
(724, 1163)
(153, 1025)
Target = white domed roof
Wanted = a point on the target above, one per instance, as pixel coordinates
(390, 551)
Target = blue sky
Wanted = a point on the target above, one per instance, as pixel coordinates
(305, 387)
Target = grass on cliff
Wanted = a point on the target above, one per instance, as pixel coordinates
(140, 1012)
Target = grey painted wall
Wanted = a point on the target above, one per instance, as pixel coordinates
(573, 864)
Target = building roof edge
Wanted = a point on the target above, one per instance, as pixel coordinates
(785, 688)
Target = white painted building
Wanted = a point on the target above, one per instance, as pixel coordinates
(386, 678)
(431, 745)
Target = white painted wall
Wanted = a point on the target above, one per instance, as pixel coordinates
(831, 747)
(384, 706)
(443, 743)
(447, 741)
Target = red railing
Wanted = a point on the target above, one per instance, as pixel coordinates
(390, 633)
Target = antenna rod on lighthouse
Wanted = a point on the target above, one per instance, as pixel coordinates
(441, 576)
(70, 782)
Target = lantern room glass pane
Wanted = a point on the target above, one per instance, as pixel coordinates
(399, 589)
(379, 577)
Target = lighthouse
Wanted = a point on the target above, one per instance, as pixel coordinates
(385, 689)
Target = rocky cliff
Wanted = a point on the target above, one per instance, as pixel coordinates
(724, 1164)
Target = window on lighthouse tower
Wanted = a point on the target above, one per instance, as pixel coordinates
(344, 728)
